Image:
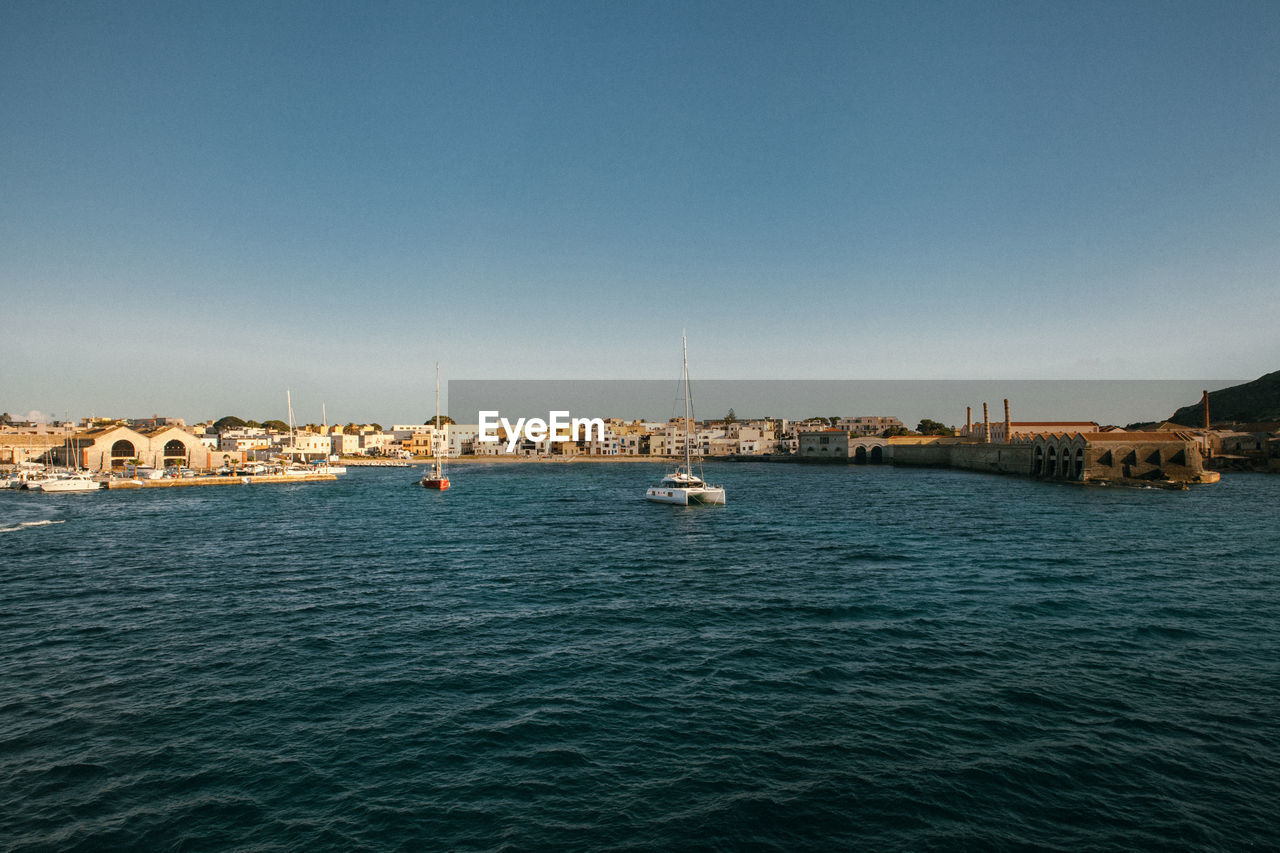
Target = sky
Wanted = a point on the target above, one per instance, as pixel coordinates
(205, 204)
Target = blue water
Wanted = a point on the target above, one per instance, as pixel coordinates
(859, 658)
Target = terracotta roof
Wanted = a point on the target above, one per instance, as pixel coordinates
(1141, 437)
(1113, 437)
(101, 431)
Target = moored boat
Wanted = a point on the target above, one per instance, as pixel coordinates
(682, 486)
(435, 478)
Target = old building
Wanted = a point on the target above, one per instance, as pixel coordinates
(114, 447)
(1106, 457)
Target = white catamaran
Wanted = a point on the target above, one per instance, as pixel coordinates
(682, 486)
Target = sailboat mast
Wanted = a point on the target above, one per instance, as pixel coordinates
(688, 406)
(435, 425)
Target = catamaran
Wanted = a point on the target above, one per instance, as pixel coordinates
(682, 486)
(435, 477)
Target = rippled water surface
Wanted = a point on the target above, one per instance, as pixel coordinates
(860, 658)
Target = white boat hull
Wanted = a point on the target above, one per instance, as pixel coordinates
(72, 484)
(685, 496)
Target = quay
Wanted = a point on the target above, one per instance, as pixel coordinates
(246, 480)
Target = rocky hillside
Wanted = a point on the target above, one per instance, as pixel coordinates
(1251, 402)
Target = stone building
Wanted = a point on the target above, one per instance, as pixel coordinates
(1104, 457)
(111, 448)
(838, 445)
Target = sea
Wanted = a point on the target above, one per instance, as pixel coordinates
(840, 658)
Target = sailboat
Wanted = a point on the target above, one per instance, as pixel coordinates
(435, 477)
(293, 467)
(333, 463)
(73, 479)
(682, 486)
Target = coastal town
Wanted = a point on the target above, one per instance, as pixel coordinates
(165, 450)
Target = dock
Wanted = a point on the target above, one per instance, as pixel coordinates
(246, 480)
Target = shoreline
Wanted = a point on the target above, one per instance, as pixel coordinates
(505, 460)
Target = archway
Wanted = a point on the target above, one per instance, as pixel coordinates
(860, 455)
(1037, 464)
(877, 455)
(121, 452)
(175, 453)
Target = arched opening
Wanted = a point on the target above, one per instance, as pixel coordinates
(175, 453)
(877, 455)
(1051, 462)
(1037, 463)
(860, 455)
(1078, 473)
(121, 452)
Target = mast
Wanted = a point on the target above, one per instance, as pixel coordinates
(688, 406)
(435, 427)
(293, 439)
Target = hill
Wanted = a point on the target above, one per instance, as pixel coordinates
(1251, 402)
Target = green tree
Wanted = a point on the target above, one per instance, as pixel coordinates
(278, 426)
(932, 427)
(440, 420)
(228, 422)
(731, 417)
(897, 430)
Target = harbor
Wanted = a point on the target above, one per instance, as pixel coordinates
(853, 641)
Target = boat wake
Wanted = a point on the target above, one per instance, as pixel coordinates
(23, 525)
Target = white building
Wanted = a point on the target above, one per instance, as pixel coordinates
(400, 432)
(462, 438)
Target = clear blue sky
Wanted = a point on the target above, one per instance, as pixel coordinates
(202, 204)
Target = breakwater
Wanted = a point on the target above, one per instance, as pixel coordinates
(246, 480)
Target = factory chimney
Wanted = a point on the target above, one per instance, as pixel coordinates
(986, 425)
(1008, 425)
(1205, 398)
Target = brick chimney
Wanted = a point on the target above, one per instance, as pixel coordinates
(1008, 425)
(986, 425)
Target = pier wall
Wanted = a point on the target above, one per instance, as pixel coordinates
(934, 455)
(995, 458)
(1088, 457)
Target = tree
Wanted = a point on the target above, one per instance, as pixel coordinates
(731, 417)
(896, 430)
(932, 427)
(437, 421)
(228, 422)
(278, 426)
